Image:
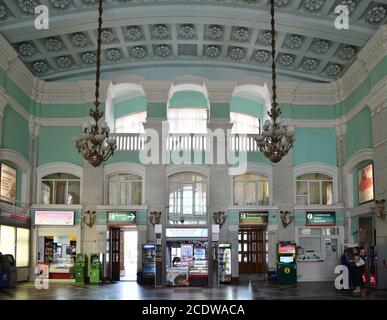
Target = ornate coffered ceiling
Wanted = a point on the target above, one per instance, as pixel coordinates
(228, 34)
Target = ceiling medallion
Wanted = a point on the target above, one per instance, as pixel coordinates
(60, 4)
(163, 51)
(310, 64)
(3, 12)
(28, 6)
(347, 53)
(313, 5)
(294, 42)
(138, 52)
(274, 139)
(160, 32)
(107, 36)
(187, 31)
(27, 49)
(212, 51)
(133, 33)
(237, 53)
(333, 70)
(113, 55)
(64, 62)
(54, 45)
(241, 34)
(320, 46)
(89, 58)
(40, 67)
(261, 56)
(214, 33)
(350, 4)
(286, 60)
(376, 15)
(281, 3)
(79, 40)
(266, 38)
(94, 144)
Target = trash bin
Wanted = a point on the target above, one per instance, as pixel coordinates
(8, 275)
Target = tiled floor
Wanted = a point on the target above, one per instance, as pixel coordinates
(258, 290)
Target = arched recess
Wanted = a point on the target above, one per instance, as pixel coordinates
(121, 168)
(123, 99)
(24, 167)
(57, 167)
(258, 168)
(318, 167)
(349, 167)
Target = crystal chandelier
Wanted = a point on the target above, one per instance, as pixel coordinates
(275, 140)
(94, 144)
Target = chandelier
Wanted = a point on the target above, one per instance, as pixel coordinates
(275, 140)
(94, 144)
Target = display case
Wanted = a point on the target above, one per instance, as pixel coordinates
(224, 260)
(148, 263)
(48, 249)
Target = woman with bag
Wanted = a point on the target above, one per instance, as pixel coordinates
(358, 269)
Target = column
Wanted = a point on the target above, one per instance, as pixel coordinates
(3, 103)
(34, 128)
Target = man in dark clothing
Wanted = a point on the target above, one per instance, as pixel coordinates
(344, 259)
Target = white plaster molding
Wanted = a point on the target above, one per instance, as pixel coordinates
(183, 168)
(356, 158)
(121, 208)
(334, 207)
(187, 87)
(77, 207)
(299, 123)
(17, 107)
(377, 99)
(3, 103)
(318, 167)
(360, 210)
(253, 208)
(57, 167)
(258, 91)
(16, 158)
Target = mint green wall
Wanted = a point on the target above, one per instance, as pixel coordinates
(220, 110)
(124, 156)
(188, 99)
(300, 218)
(305, 112)
(133, 105)
(15, 92)
(63, 110)
(359, 133)
(156, 110)
(56, 145)
(315, 145)
(252, 108)
(15, 132)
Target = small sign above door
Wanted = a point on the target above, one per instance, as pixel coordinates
(121, 217)
(320, 219)
(251, 217)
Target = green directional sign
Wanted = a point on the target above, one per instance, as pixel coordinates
(249, 217)
(320, 219)
(121, 217)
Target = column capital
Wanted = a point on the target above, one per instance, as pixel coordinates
(377, 99)
(34, 127)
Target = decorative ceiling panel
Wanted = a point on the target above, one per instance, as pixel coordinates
(222, 33)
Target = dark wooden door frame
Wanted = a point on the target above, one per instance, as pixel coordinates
(115, 252)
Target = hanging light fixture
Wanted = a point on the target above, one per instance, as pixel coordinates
(94, 144)
(275, 140)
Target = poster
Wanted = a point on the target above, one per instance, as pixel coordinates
(54, 218)
(366, 184)
(177, 277)
(8, 183)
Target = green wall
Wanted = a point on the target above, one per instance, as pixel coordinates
(56, 145)
(133, 105)
(15, 132)
(359, 133)
(156, 110)
(315, 145)
(252, 108)
(220, 110)
(188, 99)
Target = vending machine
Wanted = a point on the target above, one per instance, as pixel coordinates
(286, 263)
(224, 260)
(148, 263)
(95, 269)
(81, 264)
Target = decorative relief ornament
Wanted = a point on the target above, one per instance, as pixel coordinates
(28, 6)
(313, 5)
(3, 12)
(333, 70)
(286, 60)
(113, 55)
(266, 37)
(214, 32)
(27, 49)
(89, 58)
(60, 4)
(40, 67)
(212, 52)
(281, 3)
(376, 15)
(139, 52)
(64, 62)
(187, 31)
(294, 42)
(346, 53)
(320, 46)
(163, 51)
(133, 33)
(54, 45)
(350, 4)
(79, 40)
(160, 32)
(261, 56)
(241, 34)
(237, 53)
(310, 64)
(107, 36)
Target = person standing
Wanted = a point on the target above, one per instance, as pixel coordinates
(358, 269)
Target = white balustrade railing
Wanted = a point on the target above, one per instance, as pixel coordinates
(185, 142)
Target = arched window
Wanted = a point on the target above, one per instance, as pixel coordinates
(244, 124)
(187, 198)
(251, 189)
(187, 120)
(60, 188)
(125, 189)
(131, 123)
(314, 188)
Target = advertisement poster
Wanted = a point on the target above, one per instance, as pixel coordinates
(54, 218)
(8, 183)
(366, 184)
(177, 277)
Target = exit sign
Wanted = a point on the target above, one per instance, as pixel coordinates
(121, 217)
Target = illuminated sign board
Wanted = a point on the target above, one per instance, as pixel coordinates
(54, 218)
(186, 232)
(7, 183)
(121, 217)
(320, 219)
(251, 217)
(286, 248)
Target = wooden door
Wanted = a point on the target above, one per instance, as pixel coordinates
(115, 251)
(252, 251)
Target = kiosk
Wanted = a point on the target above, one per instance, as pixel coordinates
(81, 268)
(148, 264)
(286, 263)
(224, 256)
(95, 269)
